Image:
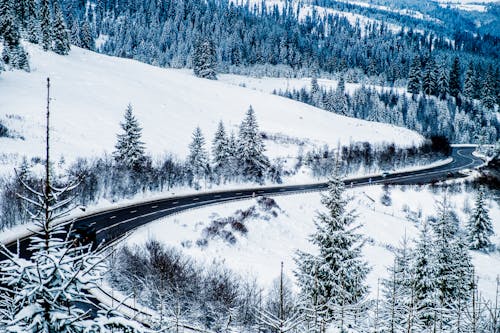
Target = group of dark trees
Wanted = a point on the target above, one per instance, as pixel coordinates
(39, 22)
(169, 33)
(460, 119)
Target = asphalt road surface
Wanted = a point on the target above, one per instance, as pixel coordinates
(112, 224)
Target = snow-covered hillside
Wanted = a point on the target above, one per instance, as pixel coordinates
(90, 92)
(271, 240)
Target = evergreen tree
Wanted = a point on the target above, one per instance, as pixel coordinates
(386, 196)
(316, 93)
(454, 78)
(60, 32)
(198, 157)
(334, 280)
(396, 312)
(425, 297)
(479, 227)
(470, 83)
(429, 82)
(488, 93)
(46, 24)
(86, 36)
(129, 147)
(443, 85)
(414, 80)
(253, 164)
(33, 24)
(220, 153)
(205, 59)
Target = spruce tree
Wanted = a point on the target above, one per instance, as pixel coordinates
(253, 164)
(425, 292)
(86, 36)
(334, 279)
(443, 84)
(46, 24)
(220, 153)
(414, 76)
(454, 78)
(470, 83)
(479, 227)
(129, 147)
(429, 81)
(488, 91)
(60, 32)
(13, 53)
(198, 157)
(205, 59)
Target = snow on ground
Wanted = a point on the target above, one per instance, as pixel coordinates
(90, 92)
(271, 84)
(268, 242)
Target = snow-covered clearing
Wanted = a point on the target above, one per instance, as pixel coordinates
(271, 240)
(90, 92)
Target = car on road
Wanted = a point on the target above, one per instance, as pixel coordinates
(385, 174)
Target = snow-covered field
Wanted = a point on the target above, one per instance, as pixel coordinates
(271, 240)
(90, 92)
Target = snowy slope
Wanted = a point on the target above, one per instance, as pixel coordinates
(90, 92)
(269, 242)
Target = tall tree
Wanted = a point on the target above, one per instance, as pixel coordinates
(129, 147)
(414, 76)
(253, 164)
(488, 91)
(60, 31)
(13, 53)
(479, 227)
(220, 153)
(198, 157)
(43, 290)
(334, 279)
(205, 59)
(46, 24)
(454, 77)
(470, 83)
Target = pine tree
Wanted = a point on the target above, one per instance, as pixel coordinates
(414, 80)
(454, 78)
(253, 164)
(198, 157)
(470, 82)
(41, 292)
(205, 59)
(443, 85)
(221, 154)
(429, 82)
(75, 34)
(129, 147)
(46, 24)
(425, 297)
(86, 36)
(386, 196)
(316, 93)
(60, 32)
(479, 227)
(33, 24)
(396, 312)
(334, 280)
(488, 92)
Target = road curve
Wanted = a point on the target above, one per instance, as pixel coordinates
(114, 223)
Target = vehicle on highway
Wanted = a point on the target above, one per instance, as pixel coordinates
(385, 174)
(83, 234)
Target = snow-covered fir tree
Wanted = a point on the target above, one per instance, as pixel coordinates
(479, 227)
(414, 76)
(253, 164)
(86, 37)
(385, 199)
(443, 89)
(129, 147)
(198, 160)
(455, 84)
(32, 24)
(470, 84)
(334, 279)
(221, 154)
(425, 294)
(397, 309)
(45, 24)
(489, 91)
(60, 33)
(205, 59)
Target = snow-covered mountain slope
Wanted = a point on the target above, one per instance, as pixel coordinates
(271, 240)
(90, 92)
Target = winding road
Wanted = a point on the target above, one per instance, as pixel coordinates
(112, 224)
